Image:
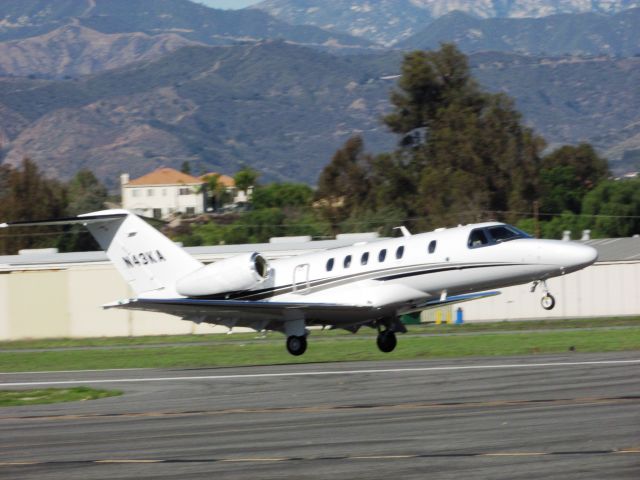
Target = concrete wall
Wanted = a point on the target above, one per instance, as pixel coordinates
(604, 289)
(65, 302)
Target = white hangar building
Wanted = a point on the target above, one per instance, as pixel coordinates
(55, 295)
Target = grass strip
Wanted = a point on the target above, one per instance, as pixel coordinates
(502, 326)
(325, 349)
(14, 398)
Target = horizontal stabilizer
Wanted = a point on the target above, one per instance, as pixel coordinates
(79, 220)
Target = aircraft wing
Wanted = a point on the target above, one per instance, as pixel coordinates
(452, 299)
(253, 314)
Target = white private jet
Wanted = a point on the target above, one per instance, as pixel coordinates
(370, 284)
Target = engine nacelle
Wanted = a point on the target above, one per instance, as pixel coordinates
(237, 273)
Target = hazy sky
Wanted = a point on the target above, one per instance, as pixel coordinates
(227, 3)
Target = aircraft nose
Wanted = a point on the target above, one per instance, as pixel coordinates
(580, 256)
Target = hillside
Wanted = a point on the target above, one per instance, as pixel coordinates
(280, 108)
(285, 109)
(390, 21)
(576, 34)
(21, 19)
(385, 21)
(573, 99)
(73, 50)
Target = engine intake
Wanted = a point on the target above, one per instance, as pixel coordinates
(237, 273)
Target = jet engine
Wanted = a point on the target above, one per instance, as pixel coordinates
(237, 273)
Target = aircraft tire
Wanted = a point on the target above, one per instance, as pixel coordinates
(387, 341)
(548, 301)
(296, 345)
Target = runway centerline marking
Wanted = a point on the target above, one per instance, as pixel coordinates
(324, 373)
(331, 458)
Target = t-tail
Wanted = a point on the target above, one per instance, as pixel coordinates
(149, 262)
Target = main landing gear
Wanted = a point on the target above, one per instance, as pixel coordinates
(547, 301)
(296, 345)
(387, 341)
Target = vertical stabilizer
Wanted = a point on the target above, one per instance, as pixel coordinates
(150, 262)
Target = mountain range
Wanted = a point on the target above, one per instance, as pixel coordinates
(575, 34)
(127, 86)
(281, 108)
(284, 109)
(390, 21)
(29, 18)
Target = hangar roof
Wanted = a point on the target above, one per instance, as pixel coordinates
(609, 250)
(205, 254)
(616, 249)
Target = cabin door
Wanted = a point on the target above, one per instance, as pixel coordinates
(301, 282)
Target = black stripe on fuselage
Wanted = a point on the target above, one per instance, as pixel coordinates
(438, 270)
(332, 282)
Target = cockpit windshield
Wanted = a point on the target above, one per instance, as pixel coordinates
(482, 237)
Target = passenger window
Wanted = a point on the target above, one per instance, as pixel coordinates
(399, 252)
(432, 246)
(365, 258)
(382, 255)
(477, 239)
(347, 261)
(330, 264)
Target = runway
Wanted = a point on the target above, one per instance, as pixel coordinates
(572, 417)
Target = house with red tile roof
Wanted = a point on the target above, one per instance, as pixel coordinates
(162, 193)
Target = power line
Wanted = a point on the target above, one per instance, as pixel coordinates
(488, 213)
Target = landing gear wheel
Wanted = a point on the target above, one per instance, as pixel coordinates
(386, 341)
(548, 302)
(296, 345)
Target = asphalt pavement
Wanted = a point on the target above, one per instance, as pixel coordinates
(574, 416)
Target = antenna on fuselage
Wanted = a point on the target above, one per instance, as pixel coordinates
(404, 230)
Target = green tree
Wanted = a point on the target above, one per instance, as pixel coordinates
(186, 167)
(567, 175)
(344, 185)
(555, 227)
(27, 195)
(257, 226)
(428, 81)
(465, 150)
(85, 194)
(614, 207)
(246, 178)
(282, 195)
(216, 191)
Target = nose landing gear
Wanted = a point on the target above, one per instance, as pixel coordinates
(547, 301)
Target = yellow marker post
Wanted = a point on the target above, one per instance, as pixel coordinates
(438, 317)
